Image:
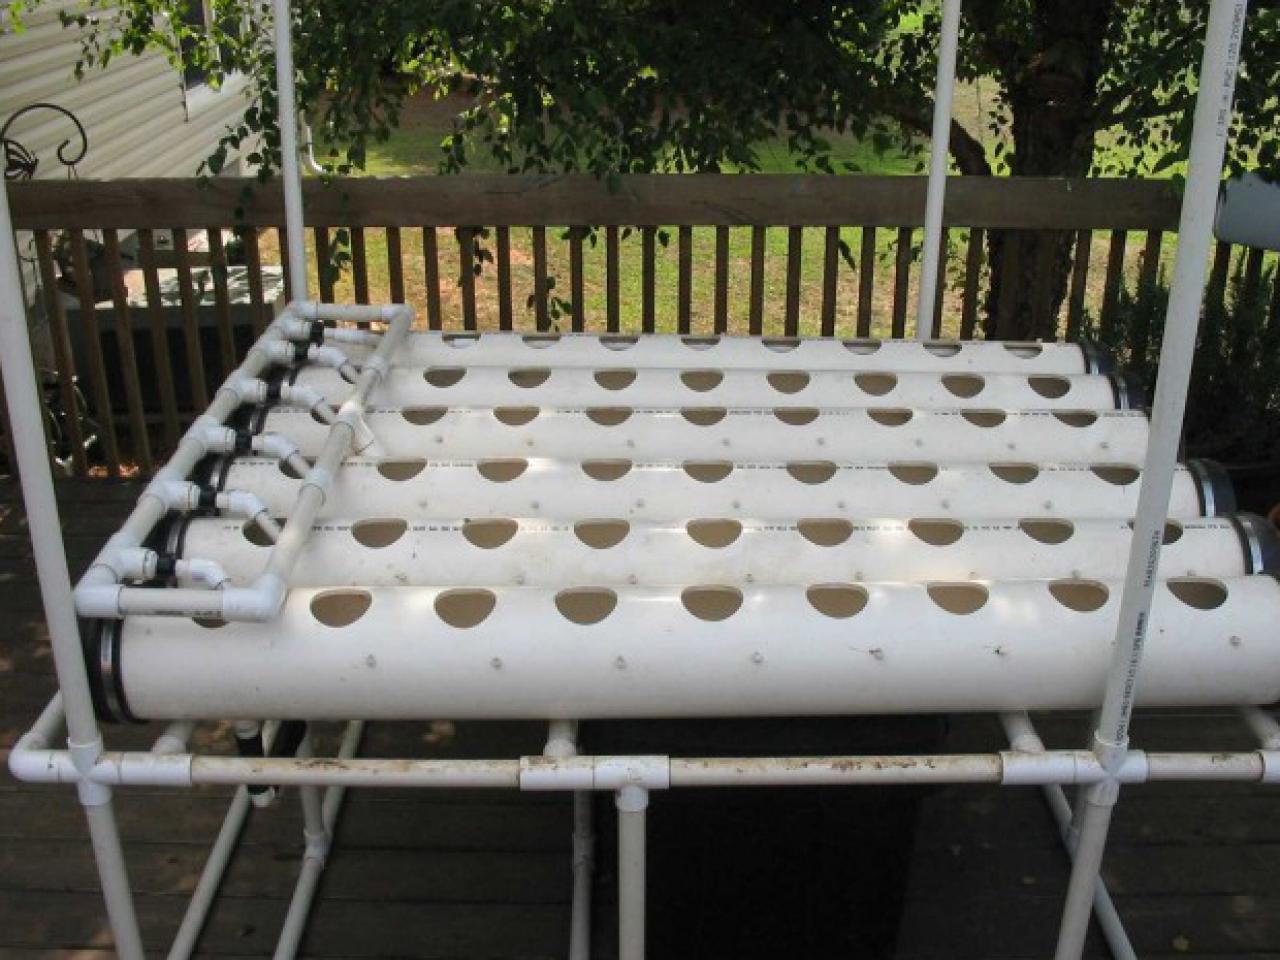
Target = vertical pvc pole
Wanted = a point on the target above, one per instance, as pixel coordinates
(939, 157)
(1195, 235)
(84, 740)
(291, 169)
(632, 802)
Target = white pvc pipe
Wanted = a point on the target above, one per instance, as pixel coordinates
(652, 652)
(632, 803)
(1212, 119)
(939, 160)
(541, 553)
(562, 736)
(215, 866)
(290, 171)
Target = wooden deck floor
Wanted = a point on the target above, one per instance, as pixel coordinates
(962, 872)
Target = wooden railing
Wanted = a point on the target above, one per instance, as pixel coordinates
(753, 254)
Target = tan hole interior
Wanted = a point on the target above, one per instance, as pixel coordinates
(937, 533)
(788, 381)
(1048, 531)
(703, 416)
(340, 608)
(619, 343)
(287, 469)
(460, 340)
(958, 598)
(378, 532)
(423, 416)
(963, 384)
(702, 380)
(516, 416)
(837, 600)
(606, 469)
(609, 416)
(984, 418)
(540, 340)
(1024, 350)
(209, 623)
(708, 471)
(711, 603)
(825, 532)
(489, 534)
(796, 416)
(891, 416)
(715, 534)
(1120, 475)
(253, 533)
(862, 347)
(1172, 532)
(529, 377)
(812, 471)
(601, 534)
(699, 343)
(444, 376)
(1082, 596)
(400, 470)
(942, 348)
(502, 471)
(875, 384)
(617, 379)
(1051, 388)
(1015, 472)
(1076, 418)
(1198, 592)
(781, 344)
(586, 605)
(465, 608)
(915, 474)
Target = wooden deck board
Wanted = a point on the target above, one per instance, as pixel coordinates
(966, 871)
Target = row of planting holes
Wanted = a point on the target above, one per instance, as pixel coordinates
(963, 385)
(466, 608)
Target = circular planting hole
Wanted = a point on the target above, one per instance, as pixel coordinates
(1198, 592)
(1076, 418)
(984, 418)
(209, 623)
(708, 471)
(837, 600)
(340, 608)
(540, 341)
(502, 471)
(609, 416)
(788, 381)
(862, 347)
(286, 467)
(377, 533)
(1015, 472)
(937, 533)
(699, 343)
(529, 377)
(915, 474)
(780, 344)
(1025, 350)
(489, 534)
(465, 608)
(1051, 388)
(703, 416)
(1117, 474)
(1172, 532)
(875, 384)
(825, 531)
(942, 348)
(963, 384)
(1082, 596)
(617, 379)
(715, 534)
(516, 416)
(401, 470)
(796, 416)
(606, 469)
(702, 380)
(601, 534)
(1049, 532)
(460, 341)
(891, 416)
(423, 416)
(255, 535)
(618, 343)
(958, 598)
(711, 603)
(586, 605)
(812, 471)
(444, 376)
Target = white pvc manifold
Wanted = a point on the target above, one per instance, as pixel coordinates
(780, 432)
(537, 553)
(704, 651)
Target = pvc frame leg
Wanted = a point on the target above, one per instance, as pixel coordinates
(1091, 844)
(109, 857)
(632, 802)
(583, 867)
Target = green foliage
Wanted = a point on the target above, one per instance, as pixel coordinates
(1233, 405)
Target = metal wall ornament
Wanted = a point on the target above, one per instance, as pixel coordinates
(21, 164)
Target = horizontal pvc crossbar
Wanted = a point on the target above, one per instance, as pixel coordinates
(414, 653)
(663, 492)
(544, 386)
(389, 551)
(665, 350)
(783, 432)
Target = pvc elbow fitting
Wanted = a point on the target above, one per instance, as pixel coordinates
(207, 572)
(274, 445)
(241, 503)
(256, 604)
(98, 601)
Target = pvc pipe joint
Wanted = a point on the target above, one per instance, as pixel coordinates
(595, 773)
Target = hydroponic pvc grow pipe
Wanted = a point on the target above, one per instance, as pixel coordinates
(1211, 122)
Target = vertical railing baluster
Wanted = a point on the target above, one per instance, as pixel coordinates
(720, 310)
(190, 322)
(866, 280)
(795, 254)
(467, 275)
(830, 279)
(1079, 284)
(125, 351)
(612, 281)
(253, 269)
(1114, 281)
(684, 281)
(972, 281)
(160, 349)
(395, 266)
(63, 355)
(542, 315)
(504, 277)
(222, 302)
(755, 307)
(648, 272)
(93, 345)
(577, 287)
(431, 277)
(901, 282)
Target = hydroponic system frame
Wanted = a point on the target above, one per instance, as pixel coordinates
(326, 428)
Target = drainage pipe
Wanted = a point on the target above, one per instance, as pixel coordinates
(562, 742)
